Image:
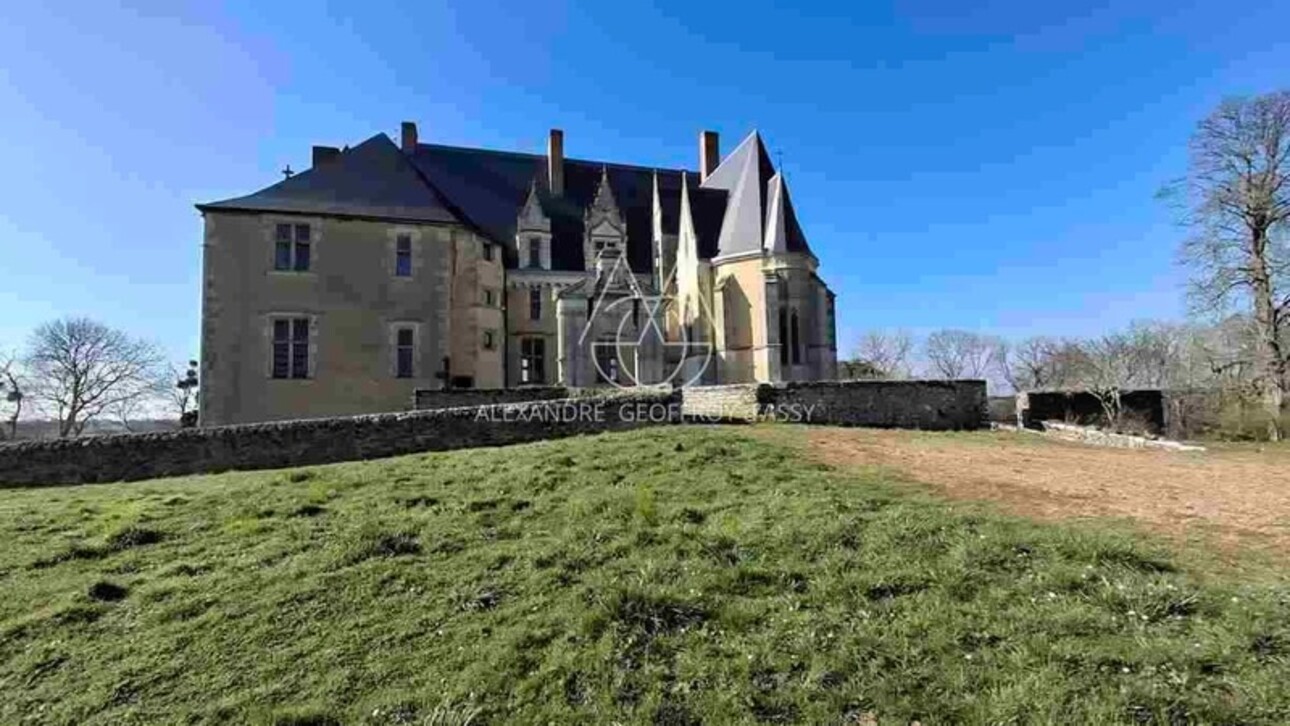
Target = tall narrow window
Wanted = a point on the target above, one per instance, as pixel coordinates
(490, 339)
(488, 252)
(403, 352)
(403, 256)
(291, 348)
(282, 248)
(291, 247)
(535, 252)
(535, 303)
(532, 360)
(797, 342)
(783, 337)
(302, 248)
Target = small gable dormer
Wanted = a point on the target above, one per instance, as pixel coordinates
(603, 222)
(533, 234)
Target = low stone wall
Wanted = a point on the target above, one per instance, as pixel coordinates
(1097, 437)
(731, 402)
(430, 399)
(294, 443)
(1140, 409)
(930, 405)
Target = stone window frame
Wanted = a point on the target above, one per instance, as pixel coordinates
(490, 297)
(311, 364)
(528, 239)
(489, 341)
(527, 357)
(795, 348)
(534, 250)
(403, 257)
(393, 328)
(487, 253)
(270, 236)
(536, 303)
(416, 237)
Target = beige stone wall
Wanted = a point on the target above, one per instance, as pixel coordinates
(743, 326)
(521, 325)
(475, 280)
(748, 333)
(352, 298)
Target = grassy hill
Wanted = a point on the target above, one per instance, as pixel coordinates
(671, 576)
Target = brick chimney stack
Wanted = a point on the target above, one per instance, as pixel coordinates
(409, 141)
(709, 154)
(324, 154)
(555, 162)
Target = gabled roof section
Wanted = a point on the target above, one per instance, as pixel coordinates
(373, 179)
(745, 174)
(488, 188)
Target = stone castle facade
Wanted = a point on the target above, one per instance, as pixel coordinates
(387, 268)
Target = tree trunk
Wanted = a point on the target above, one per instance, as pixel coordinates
(1271, 361)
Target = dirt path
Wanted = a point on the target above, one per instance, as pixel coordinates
(1235, 496)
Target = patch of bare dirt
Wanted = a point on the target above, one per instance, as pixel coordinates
(1236, 496)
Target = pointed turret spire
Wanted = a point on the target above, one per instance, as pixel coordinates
(605, 202)
(776, 240)
(532, 215)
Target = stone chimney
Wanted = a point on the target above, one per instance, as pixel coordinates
(555, 162)
(709, 154)
(324, 154)
(409, 142)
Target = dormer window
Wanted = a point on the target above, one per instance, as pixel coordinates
(535, 252)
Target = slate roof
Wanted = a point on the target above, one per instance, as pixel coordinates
(486, 189)
(489, 188)
(373, 179)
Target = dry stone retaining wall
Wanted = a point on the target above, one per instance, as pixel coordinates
(293, 443)
(432, 399)
(125, 457)
(930, 405)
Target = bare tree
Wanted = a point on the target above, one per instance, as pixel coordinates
(963, 354)
(11, 394)
(1238, 199)
(80, 368)
(1037, 363)
(885, 353)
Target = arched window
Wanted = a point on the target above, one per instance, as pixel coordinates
(783, 336)
(797, 342)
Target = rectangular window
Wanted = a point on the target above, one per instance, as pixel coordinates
(302, 248)
(282, 248)
(403, 256)
(404, 346)
(291, 247)
(532, 360)
(490, 340)
(535, 303)
(489, 298)
(488, 252)
(291, 348)
(535, 252)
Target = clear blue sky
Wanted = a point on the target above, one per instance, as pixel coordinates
(989, 167)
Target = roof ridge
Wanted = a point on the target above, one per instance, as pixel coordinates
(567, 160)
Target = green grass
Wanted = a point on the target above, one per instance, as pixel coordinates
(670, 576)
